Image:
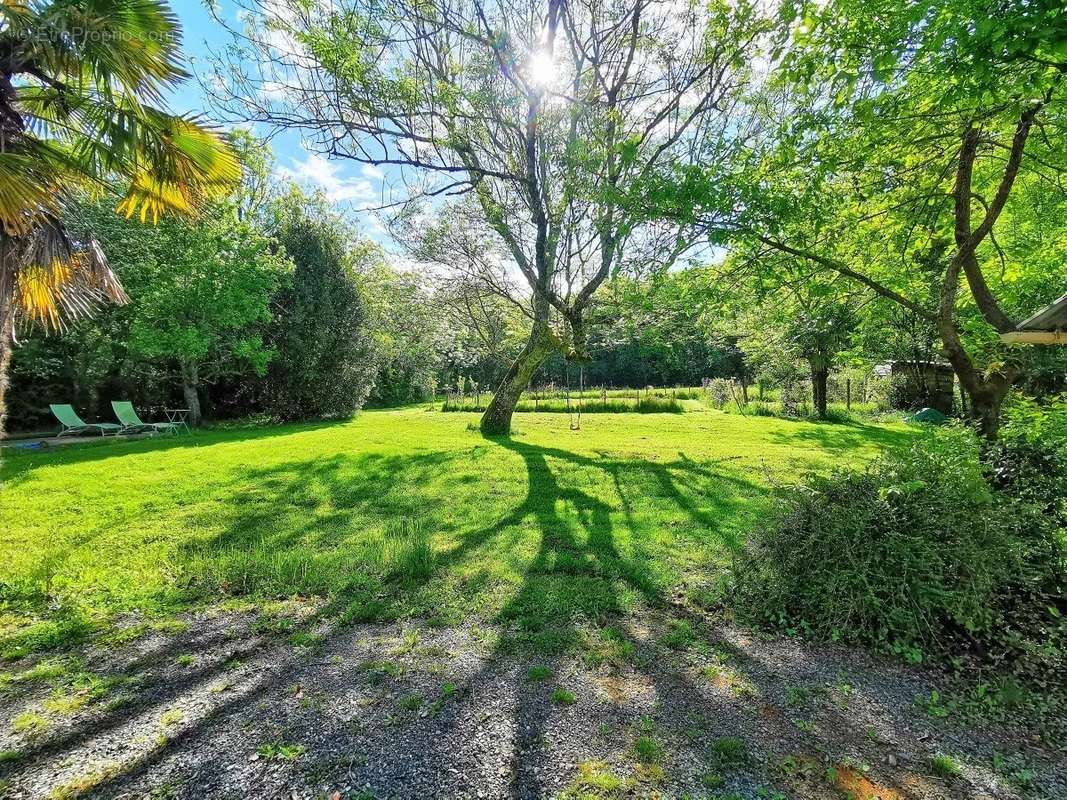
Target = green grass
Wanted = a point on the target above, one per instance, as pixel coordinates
(395, 514)
(944, 765)
(563, 697)
(538, 674)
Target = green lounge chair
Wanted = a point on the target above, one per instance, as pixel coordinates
(71, 424)
(131, 423)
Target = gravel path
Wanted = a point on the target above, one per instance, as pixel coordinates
(401, 711)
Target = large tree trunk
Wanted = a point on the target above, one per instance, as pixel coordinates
(820, 370)
(985, 393)
(496, 421)
(190, 384)
(985, 410)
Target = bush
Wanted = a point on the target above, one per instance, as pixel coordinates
(917, 554)
(1029, 460)
(322, 367)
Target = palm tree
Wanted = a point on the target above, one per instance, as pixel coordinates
(81, 89)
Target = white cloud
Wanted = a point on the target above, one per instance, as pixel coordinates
(372, 172)
(316, 172)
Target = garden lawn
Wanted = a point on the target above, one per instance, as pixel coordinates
(397, 513)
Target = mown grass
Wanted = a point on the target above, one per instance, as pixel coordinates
(589, 405)
(396, 513)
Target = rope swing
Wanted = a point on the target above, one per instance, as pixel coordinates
(575, 424)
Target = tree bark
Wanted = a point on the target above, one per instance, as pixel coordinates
(190, 384)
(819, 372)
(985, 410)
(496, 421)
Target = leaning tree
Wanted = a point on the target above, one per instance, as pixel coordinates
(521, 124)
(80, 88)
(912, 133)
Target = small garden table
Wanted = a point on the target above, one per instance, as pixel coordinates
(179, 417)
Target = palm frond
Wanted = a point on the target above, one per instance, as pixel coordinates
(29, 189)
(134, 45)
(192, 165)
(59, 280)
(82, 114)
(175, 162)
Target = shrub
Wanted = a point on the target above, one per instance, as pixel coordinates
(322, 366)
(1029, 460)
(918, 554)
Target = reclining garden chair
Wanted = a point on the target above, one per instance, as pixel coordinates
(71, 424)
(131, 423)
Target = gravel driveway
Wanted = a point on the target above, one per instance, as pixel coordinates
(231, 707)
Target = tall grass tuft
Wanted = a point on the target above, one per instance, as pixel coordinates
(408, 551)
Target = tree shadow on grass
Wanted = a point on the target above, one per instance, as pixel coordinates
(842, 437)
(595, 560)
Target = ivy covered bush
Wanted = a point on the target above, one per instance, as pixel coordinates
(938, 550)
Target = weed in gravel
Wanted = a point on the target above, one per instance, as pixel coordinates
(448, 689)
(118, 702)
(806, 726)
(798, 696)
(378, 671)
(170, 627)
(48, 669)
(279, 751)
(305, 639)
(164, 791)
(30, 723)
(172, 716)
(648, 749)
(409, 643)
(649, 773)
(117, 637)
(1014, 768)
(606, 646)
(595, 780)
(680, 634)
(763, 793)
(412, 702)
(933, 705)
(9, 756)
(538, 674)
(83, 784)
(273, 625)
(185, 660)
(945, 765)
(64, 702)
(729, 751)
(563, 697)
(712, 780)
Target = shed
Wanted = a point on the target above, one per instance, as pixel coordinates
(920, 384)
(1047, 326)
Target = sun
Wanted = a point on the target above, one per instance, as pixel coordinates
(541, 68)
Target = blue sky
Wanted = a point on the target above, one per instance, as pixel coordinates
(350, 186)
